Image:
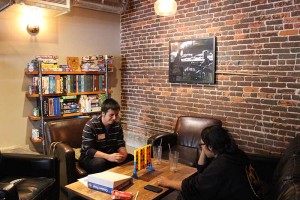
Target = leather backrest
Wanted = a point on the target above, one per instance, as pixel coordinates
(67, 131)
(287, 160)
(189, 129)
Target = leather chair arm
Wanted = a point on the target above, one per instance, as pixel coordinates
(66, 156)
(81, 172)
(166, 138)
(32, 165)
(69, 168)
(8, 191)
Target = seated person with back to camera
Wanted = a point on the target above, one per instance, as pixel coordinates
(103, 146)
(224, 172)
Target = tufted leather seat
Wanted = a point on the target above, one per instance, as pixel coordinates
(27, 176)
(185, 139)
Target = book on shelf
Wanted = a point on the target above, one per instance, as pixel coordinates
(69, 104)
(45, 84)
(45, 107)
(108, 181)
(52, 84)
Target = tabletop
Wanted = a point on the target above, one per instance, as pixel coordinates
(145, 177)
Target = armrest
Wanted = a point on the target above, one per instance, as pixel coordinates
(166, 138)
(8, 191)
(30, 165)
(264, 165)
(66, 156)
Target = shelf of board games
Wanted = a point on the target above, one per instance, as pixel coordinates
(102, 89)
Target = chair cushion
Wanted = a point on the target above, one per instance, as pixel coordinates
(31, 188)
(77, 153)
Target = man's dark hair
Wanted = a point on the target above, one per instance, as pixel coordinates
(109, 104)
(218, 139)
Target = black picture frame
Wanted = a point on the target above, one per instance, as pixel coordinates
(192, 61)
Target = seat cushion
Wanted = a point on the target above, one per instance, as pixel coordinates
(31, 188)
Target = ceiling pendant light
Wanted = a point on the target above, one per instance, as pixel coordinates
(165, 8)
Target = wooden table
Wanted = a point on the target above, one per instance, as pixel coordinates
(145, 177)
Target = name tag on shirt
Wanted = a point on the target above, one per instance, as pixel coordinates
(101, 136)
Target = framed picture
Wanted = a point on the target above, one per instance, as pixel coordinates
(192, 61)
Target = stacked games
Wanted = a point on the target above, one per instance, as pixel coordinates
(96, 63)
(48, 62)
(108, 181)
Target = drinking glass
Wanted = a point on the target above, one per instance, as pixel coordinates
(157, 150)
(173, 160)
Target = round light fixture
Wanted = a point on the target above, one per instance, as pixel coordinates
(35, 29)
(165, 8)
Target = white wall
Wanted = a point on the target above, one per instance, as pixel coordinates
(78, 33)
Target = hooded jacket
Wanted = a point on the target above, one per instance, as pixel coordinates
(223, 179)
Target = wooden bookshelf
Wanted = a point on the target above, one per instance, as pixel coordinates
(42, 98)
(67, 94)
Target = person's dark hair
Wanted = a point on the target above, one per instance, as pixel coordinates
(109, 104)
(218, 139)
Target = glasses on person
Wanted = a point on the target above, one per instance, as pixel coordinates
(200, 145)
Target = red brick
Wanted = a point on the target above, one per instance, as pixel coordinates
(257, 37)
(289, 32)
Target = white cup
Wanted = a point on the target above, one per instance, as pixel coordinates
(173, 160)
(157, 150)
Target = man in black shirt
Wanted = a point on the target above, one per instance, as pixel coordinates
(103, 146)
(224, 172)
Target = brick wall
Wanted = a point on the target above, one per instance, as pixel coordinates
(257, 88)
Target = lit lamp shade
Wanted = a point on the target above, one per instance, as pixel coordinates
(165, 7)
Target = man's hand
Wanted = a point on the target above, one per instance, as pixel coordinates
(123, 152)
(202, 158)
(165, 182)
(115, 157)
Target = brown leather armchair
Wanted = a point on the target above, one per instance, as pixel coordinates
(185, 139)
(63, 137)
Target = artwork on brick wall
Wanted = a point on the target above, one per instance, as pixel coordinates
(192, 61)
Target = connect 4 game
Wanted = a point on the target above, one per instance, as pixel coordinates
(142, 159)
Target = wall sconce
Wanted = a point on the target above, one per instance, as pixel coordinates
(32, 19)
(34, 29)
(165, 8)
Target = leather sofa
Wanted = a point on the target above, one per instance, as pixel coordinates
(63, 140)
(280, 175)
(28, 177)
(185, 138)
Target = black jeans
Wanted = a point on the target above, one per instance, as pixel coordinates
(95, 165)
